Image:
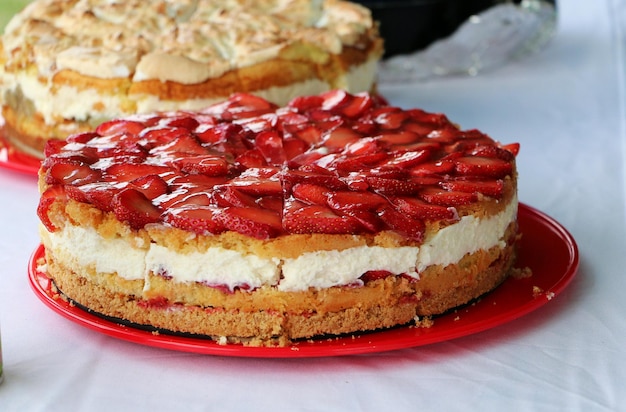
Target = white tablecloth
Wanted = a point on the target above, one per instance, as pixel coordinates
(566, 106)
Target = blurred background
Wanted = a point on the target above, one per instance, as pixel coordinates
(8, 8)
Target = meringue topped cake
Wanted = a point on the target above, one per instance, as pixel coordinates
(257, 224)
(68, 65)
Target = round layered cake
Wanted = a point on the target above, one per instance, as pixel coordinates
(68, 65)
(258, 224)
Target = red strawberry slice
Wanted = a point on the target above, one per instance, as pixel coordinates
(99, 194)
(361, 147)
(132, 206)
(340, 137)
(387, 172)
(482, 166)
(305, 103)
(68, 172)
(120, 126)
(185, 198)
(273, 203)
(197, 219)
(294, 147)
(251, 102)
(82, 138)
(365, 126)
(219, 133)
(372, 275)
(308, 158)
(512, 147)
(431, 119)
(311, 194)
(428, 145)
(435, 167)
(489, 150)
(301, 218)
(124, 151)
(409, 159)
(312, 175)
(227, 195)
(180, 119)
(447, 198)
(357, 163)
(210, 165)
(445, 135)
(270, 144)
(309, 134)
(152, 186)
(53, 147)
(334, 100)
(369, 220)
(184, 144)
(393, 186)
(355, 200)
(126, 172)
(357, 106)
(418, 209)
(259, 182)
(258, 187)
(403, 224)
(255, 222)
(244, 105)
(401, 137)
(392, 119)
(158, 136)
(48, 197)
(492, 188)
(251, 158)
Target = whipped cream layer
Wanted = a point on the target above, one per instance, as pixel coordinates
(83, 247)
(67, 102)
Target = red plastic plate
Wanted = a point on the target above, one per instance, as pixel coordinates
(545, 247)
(16, 161)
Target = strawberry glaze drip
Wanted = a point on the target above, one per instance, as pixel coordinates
(333, 163)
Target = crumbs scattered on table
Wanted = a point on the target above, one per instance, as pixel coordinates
(423, 322)
(521, 273)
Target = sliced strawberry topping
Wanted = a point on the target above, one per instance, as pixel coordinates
(255, 222)
(333, 163)
(419, 209)
(482, 166)
(355, 200)
(493, 188)
(125, 172)
(301, 218)
(120, 126)
(270, 144)
(447, 198)
(309, 193)
(48, 197)
(152, 186)
(372, 275)
(393, 186)
(197, 219)
(306, 103)
(409, 227)
(208, 164)
(132, 206)
(71, 173)
(340, 137)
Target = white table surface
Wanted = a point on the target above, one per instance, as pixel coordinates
(567, 108)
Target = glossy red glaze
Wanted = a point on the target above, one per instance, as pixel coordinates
(333, 163)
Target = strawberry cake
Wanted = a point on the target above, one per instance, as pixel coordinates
(252, 223)
(68, 65)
